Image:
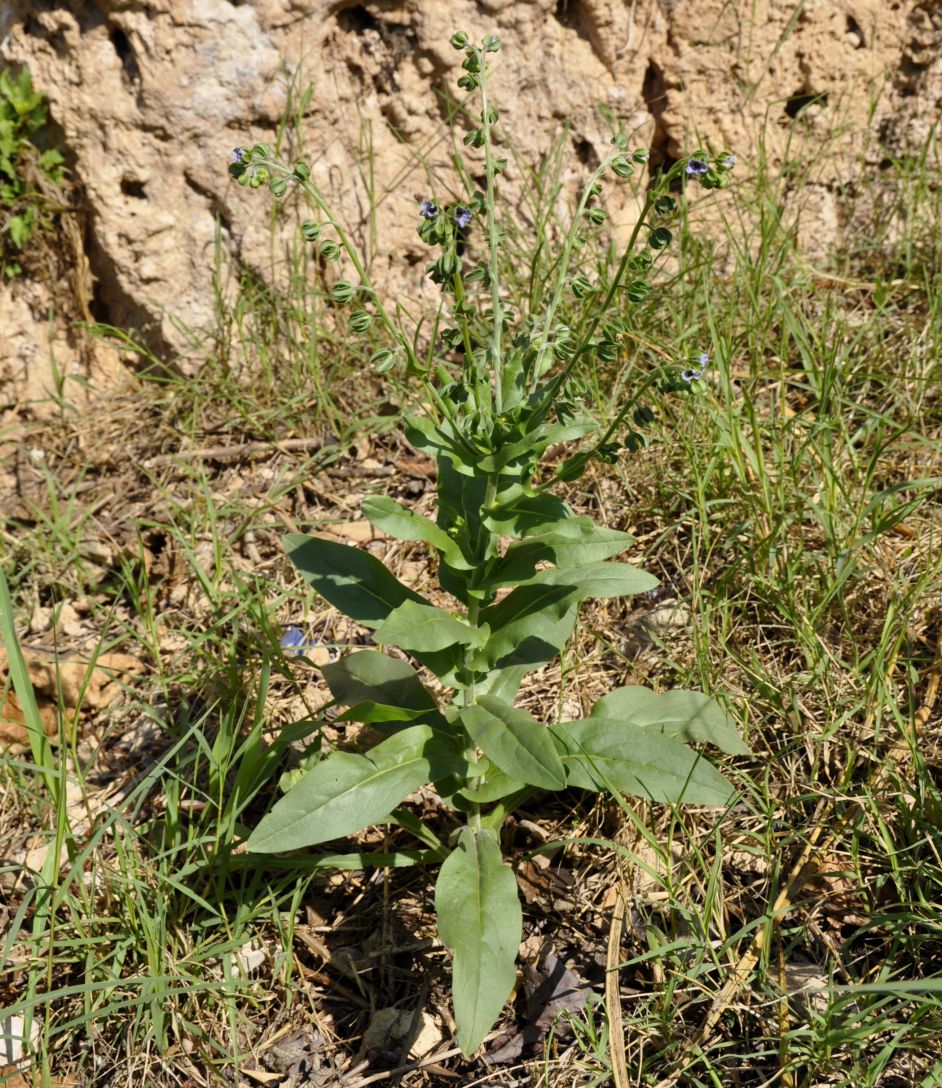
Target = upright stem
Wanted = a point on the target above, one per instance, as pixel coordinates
(493, 237)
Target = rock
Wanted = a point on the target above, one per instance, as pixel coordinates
(151, 95)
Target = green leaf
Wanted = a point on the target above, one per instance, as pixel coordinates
(370, 676)
(601, 753)
(530, 625)
(395, 520)
(524, 513)
(371, 713)
(480, 920)
(423, 627)
(599, 580)
(352, 580)
(346, 792)
(495, 786)
(690, 716)
(514, 740)
(572, 542)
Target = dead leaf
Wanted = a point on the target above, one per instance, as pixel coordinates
(74, 683)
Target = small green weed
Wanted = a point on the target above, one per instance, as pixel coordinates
(26, 171)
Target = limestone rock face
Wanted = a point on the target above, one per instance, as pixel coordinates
(151, 95)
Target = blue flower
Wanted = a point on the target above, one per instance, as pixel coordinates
(697, 166)
(428, 210)
(238, 155)
(691, 375)
(462, 216)
(703, 358)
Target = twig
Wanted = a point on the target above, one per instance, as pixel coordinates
(616, 1026)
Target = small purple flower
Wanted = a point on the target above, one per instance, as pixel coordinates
(238, 156)
(462, 216)
(703, 358)
(691, 375)
(697, 166)
(728, 161)
(428, 210)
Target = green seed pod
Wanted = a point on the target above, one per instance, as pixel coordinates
(383, 360)
(623, 168)
(620, 141)
(474, 138)
(492, 116)
(660, 238)
(638, 290)
(360, 320)
(596, 215)
(310, 230)
(279, 186)
(302, 171)
(607, 351)
(342, 292)
(491, 44)
(643, 415)
(641, 155)
(329, 250)
(468, 82)
(665, 205)
(459, 39)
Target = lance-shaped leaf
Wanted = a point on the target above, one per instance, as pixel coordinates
(530, 625)
(396, 520)
(600, 753)
(690, 716)
(480, 920)
(496, 786)
(598, 580)
(514, 740)
(371, 676)
(423, 627)
(572, 542)
(520, 512)
(352, 580)
(346, 792)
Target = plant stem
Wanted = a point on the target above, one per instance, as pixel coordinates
(493, 240)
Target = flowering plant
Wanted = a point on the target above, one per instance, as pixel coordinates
(501, 393)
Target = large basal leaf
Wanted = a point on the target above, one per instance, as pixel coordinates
(371, 676)
(352, 580)
(690, 716)
(424, 628)
(514, 740)
(480, 920)
(604, 754)
(346, 792)
(395, 520)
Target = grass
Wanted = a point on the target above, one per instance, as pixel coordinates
(791, 510)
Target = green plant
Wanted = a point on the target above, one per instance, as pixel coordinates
(23, 167)
(501, 393)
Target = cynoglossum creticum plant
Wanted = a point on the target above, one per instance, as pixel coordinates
(500, 394)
